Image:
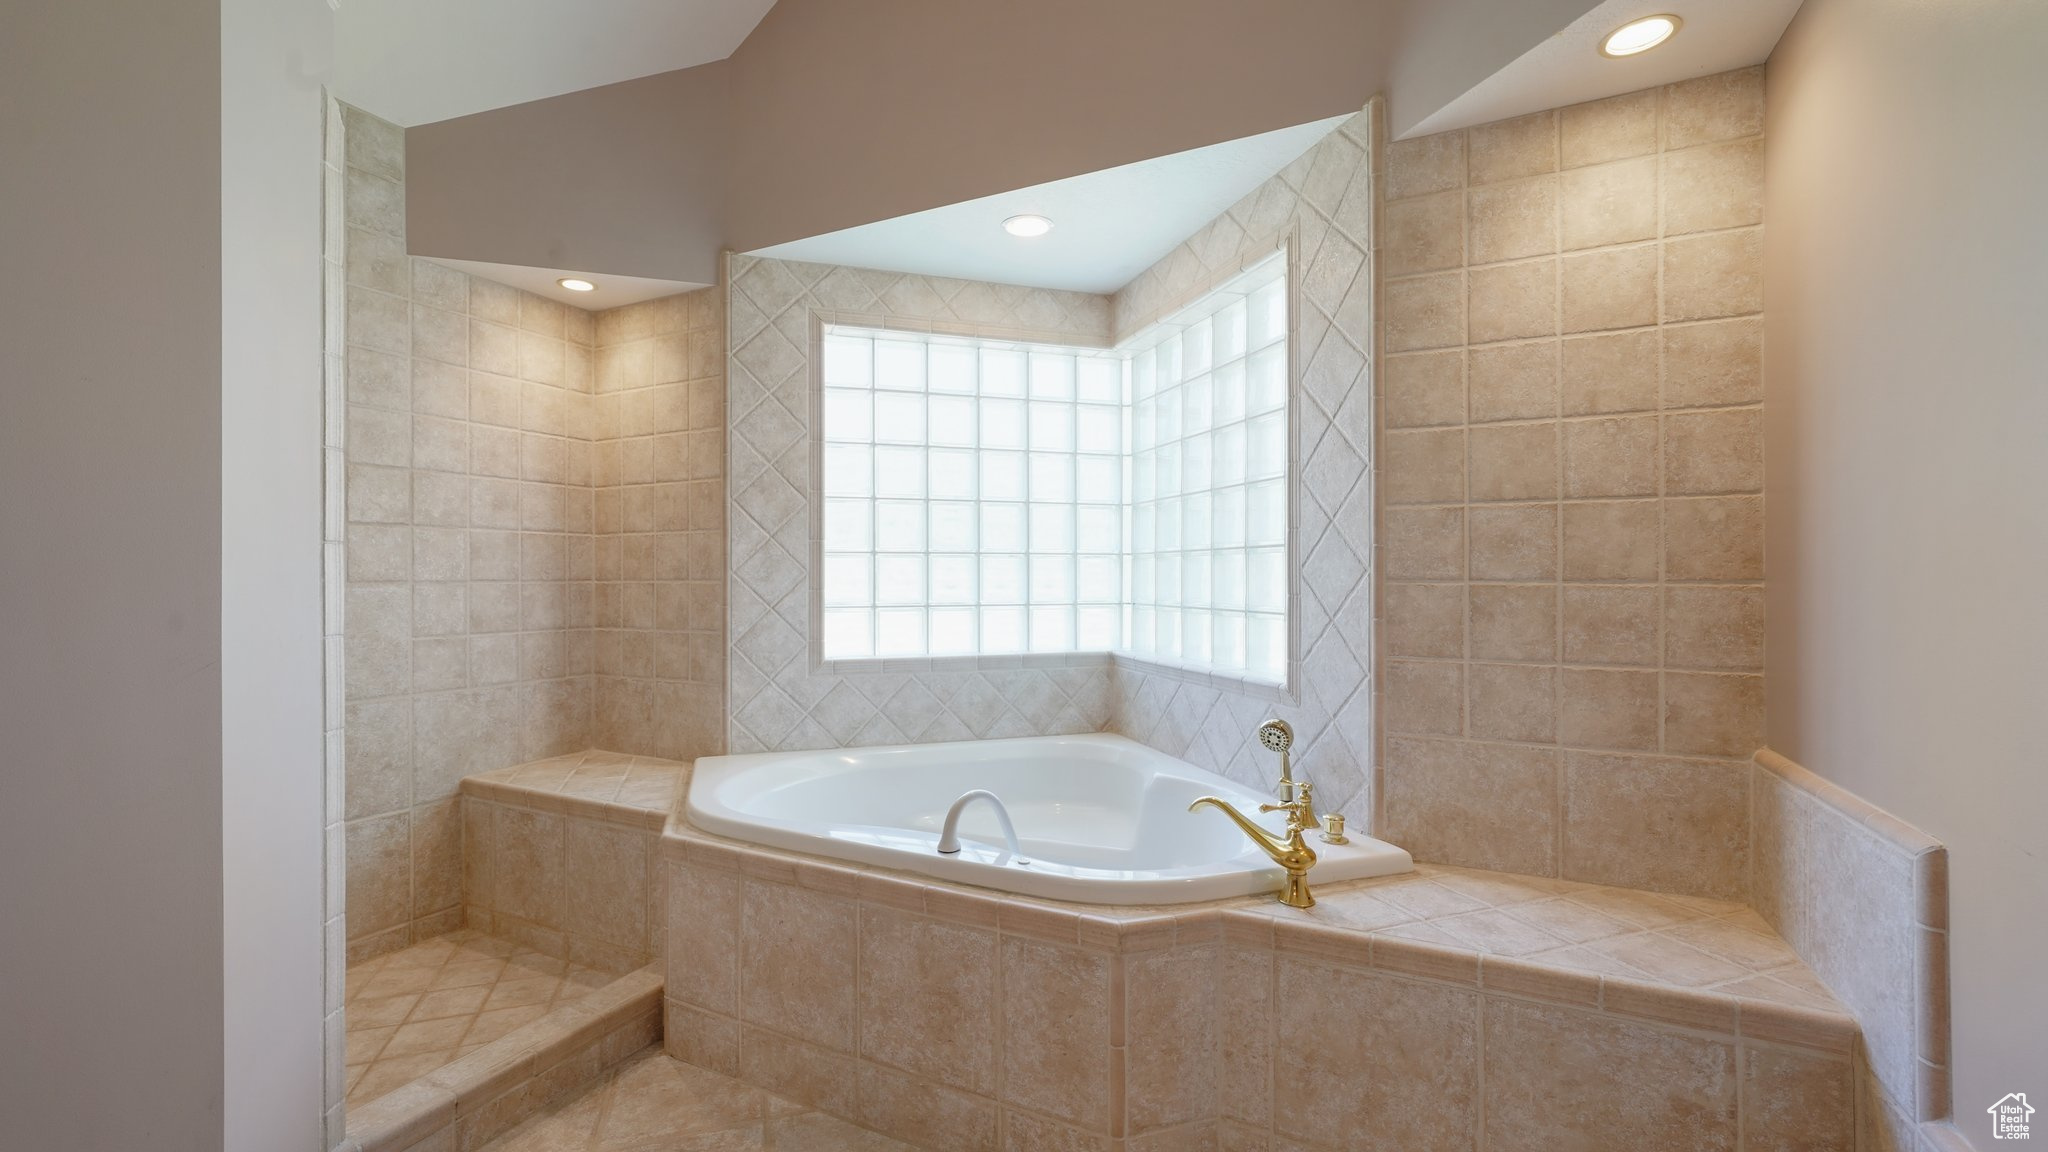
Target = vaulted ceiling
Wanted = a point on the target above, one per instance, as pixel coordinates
(639, 138)
(418, 61)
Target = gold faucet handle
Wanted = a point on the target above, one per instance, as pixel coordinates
(1300, 810)
(1304, 795)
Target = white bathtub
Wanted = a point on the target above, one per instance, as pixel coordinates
(1100, 819)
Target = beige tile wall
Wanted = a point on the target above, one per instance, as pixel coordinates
(469, 547)
(1321, 205)
(1570, 489)
(659, 475)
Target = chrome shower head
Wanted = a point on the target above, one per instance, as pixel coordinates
(1276, 736)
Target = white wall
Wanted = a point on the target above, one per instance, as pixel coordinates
(272, 777)
(159, 579)
(626, 179)
(1907, 464)
(110, 575)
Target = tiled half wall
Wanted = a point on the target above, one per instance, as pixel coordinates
(1863, 898)
(1571, 468)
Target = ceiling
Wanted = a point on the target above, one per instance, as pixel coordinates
(419, 61)
(611, 292)
(1568, 68)
(1108, 226)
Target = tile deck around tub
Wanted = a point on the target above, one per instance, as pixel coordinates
(1687, 942)
(652, 1101)
(1683, 959)
(410, 1012)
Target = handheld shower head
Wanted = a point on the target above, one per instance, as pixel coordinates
(1276, 736)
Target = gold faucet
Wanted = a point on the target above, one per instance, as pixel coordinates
(1289, 851)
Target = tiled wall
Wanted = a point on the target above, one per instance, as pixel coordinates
(469, 547)
(1321, 205)
(1863, 898)
(774, 698)
(1570, 478)
(659, 474)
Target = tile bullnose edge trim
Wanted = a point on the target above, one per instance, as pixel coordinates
(402, 1118)
(1901, 835)
(1805, 1027)
(1926, 859)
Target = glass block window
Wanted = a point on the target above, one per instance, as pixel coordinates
(990, 498)
(1208, 482)
(973, 496)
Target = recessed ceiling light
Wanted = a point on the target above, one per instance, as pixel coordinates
(1027, 225)
(576, 284)
(1639, 35)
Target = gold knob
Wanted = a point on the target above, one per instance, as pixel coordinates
(1333, 829)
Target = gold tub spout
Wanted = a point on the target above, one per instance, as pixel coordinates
(1290, 851)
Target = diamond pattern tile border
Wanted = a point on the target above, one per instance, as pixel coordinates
(1323, 202)
(776, 701)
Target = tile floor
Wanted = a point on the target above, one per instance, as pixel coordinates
(411, 1011)
(651, 1102)
(1684, 941)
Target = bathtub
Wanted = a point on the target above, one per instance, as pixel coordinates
(1100, 819)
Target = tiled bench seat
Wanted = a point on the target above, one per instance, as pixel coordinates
(560, 889)
(1444, 1009)
(634, 791)
(558, 854)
